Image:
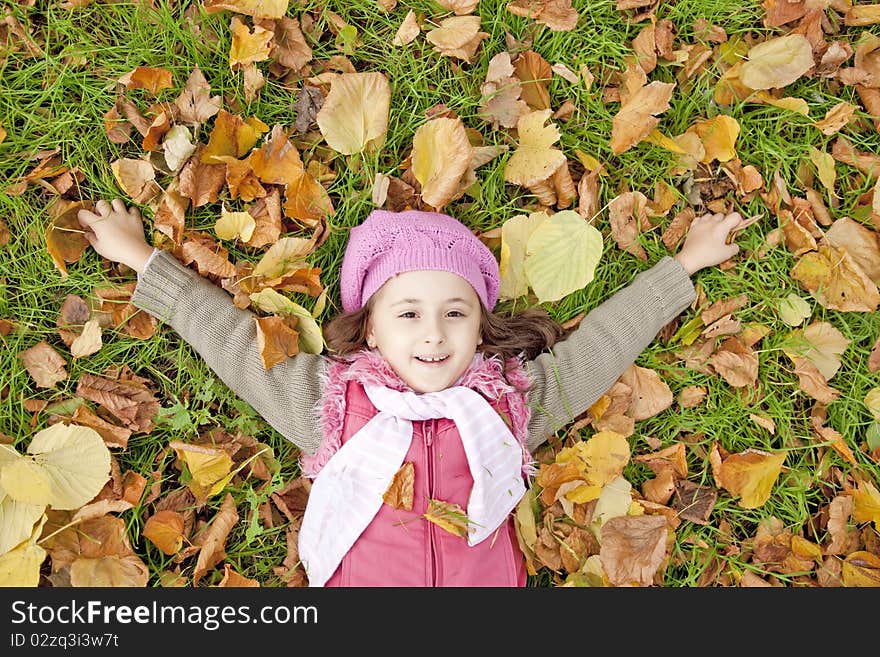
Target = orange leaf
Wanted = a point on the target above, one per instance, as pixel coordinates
(751, 475)
(165, 530)
(400, 492)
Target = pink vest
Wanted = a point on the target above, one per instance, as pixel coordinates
(399, 547)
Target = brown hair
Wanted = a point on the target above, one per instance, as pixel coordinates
(526, 333)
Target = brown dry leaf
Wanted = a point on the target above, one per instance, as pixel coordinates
(837, 443)
(71, 318)
(500, 102)
(129, 400)
(448, 516)
(277, 339)
(750, 475)
(735, 362)
(231, 136)
(678, 228)
(860, 242)
(798, 239)
(213, 540)
(170, 217)
(400, 492)
(633, 549)
(628, 216)
(242, 181)
(90, 539)
(723, 307)
(200, 182)
(195, 104)
(267, 220)
(164, 529)
(44, 364)
(843, 151)
(691, 396)
(811, 381)
(157, 130)
(874, 357)
(137, 179)
(534, 74)
(764, 422)
(291, 52)
(558, 15)
(109, 571)
(407, 32)
(457, 37)
(145, 77)
(232, 579)
(835, 280)
(65, 238)
(673, 457)
(441, 154)
(694, 502)
(636, 118)
(835, 118)
(660, 488)
(254, 8)
(650, 394)
(113, 435)
(248, 46)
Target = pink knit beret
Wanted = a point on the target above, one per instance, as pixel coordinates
(390, 243)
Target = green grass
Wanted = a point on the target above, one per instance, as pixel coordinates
(57, 100)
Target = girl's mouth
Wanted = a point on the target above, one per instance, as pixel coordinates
(431, 360)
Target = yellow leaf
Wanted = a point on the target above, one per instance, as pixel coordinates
(824, 163)
(751, 475)
(231, 136)
(835, 280)
(207, 465)
(789, 103)
(659, 139)
(534, 159)
(821, 343)
(515, 233)
(354, 115)
(777, 62)
(441, 154)
(248, 47)
(861, 569)
(235, 225)
(255, 8)
(110, 570)
(447, 516)
(718, 136)
(606, 454)
(76, 461)
(866, 504)
(26, 482)
(21, 566)
(835, 118)
(563, 237)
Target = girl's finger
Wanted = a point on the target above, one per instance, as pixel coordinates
(86, 217)
(102, 207)
(119, 206)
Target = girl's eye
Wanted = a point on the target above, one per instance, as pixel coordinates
(456, 313)
(409, 314)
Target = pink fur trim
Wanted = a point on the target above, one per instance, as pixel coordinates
(485, 375)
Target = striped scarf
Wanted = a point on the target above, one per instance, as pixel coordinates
(347, 493)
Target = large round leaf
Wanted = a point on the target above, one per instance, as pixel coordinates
(76, 461)
(355, 112)
(562, 255)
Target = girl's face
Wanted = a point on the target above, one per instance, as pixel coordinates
(426, 324)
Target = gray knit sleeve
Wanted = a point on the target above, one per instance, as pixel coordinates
(225, 337)
(581, 368)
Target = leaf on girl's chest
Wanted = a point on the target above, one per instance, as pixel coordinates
(448, 516)
(400, 491)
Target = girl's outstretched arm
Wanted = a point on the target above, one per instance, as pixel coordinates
(581, 368)
(204, 315)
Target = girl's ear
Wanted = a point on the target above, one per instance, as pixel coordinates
(371, 338)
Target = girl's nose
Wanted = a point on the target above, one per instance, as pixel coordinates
(434, 332)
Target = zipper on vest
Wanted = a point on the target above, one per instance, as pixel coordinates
(429, 445)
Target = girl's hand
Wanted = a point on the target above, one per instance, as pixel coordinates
(706, 242)
(117, 233)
